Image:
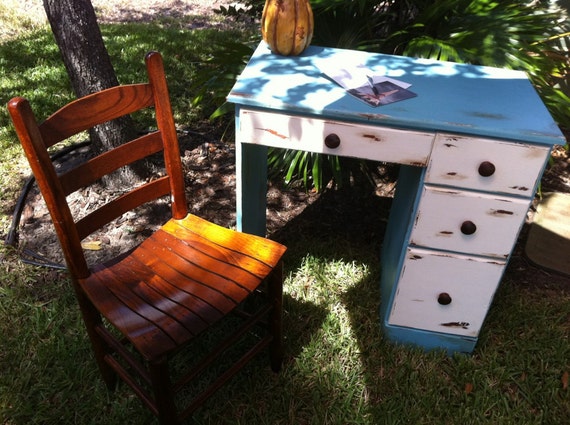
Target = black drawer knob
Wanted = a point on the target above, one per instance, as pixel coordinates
(444, 298)
(468, 227)
(332, 141)
(486, 169)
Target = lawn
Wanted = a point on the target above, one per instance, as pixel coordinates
(339, 369)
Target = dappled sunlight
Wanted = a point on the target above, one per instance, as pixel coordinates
(480, 98)
(339, 365)
(322, 280)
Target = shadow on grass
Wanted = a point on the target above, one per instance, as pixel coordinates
(344, 226)
(338, 367)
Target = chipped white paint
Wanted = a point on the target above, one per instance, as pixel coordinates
(356, 140)
(442, 211)
(481, 116)
(470, 281)
(456, 159)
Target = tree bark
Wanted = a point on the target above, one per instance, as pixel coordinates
(78, 36)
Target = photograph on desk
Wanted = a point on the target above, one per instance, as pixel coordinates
(383, 93)
(375, 90)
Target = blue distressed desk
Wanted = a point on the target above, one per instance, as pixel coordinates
(473, 145)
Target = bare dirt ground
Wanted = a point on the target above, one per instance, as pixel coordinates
(129, 11)
(142, 10)
(360, 214)
(201, 12)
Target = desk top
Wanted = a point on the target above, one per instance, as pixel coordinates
(451, 97)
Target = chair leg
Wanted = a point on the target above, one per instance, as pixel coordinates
(163, 394)
(275, 291)
(92, 319)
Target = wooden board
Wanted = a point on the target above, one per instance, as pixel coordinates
(548, 243)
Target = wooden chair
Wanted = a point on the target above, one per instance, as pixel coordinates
(176, 284)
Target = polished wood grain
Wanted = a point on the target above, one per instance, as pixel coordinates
(180, 281)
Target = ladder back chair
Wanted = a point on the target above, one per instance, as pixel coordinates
(142, 307)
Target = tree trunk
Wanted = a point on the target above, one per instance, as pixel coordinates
(77, 34)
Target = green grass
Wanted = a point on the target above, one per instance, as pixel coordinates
(31, 66)
(339, 369)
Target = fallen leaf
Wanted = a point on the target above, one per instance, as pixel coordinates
(565, 380)
(91, 245)
(468, 388)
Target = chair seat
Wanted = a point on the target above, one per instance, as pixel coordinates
(185, 277)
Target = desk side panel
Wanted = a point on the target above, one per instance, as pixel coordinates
(400, 222)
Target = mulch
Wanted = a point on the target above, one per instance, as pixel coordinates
(360, 213)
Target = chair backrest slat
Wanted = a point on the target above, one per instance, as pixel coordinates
(81, 115)
(92, 170)
(122, 204)
(94, 109)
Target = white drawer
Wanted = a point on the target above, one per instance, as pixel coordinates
(467, 161)
(468, 222)
(334, 138)
(445, 293)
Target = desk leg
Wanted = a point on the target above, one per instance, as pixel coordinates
(251, 188)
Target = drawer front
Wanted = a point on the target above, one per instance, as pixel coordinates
(484, 164)
(468, 222)
(445, 293)
(334, 138)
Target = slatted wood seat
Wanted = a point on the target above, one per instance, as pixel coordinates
(183, 279)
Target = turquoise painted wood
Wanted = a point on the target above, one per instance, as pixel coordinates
(451, 97)
(251, 187)
(471, 136)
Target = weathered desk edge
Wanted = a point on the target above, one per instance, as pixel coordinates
(496, 120)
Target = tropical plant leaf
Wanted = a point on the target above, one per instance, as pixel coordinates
(530, 36)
